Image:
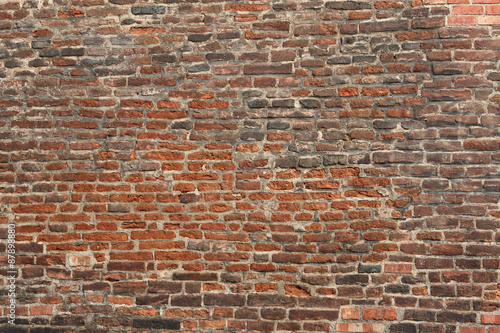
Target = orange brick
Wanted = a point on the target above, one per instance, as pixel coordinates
(379, 314)
(353, 314)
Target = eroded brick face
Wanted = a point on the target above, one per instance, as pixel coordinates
(251, 166)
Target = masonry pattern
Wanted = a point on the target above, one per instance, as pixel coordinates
(251, 166)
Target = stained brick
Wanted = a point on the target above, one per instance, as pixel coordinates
(251, 166)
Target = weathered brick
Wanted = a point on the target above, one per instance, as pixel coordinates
(147, 10)
(238, 151)
(384, 26)
(267, 69)
(313, 314)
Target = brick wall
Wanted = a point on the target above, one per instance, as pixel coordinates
(312, 166)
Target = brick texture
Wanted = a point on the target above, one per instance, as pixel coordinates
(251, 166)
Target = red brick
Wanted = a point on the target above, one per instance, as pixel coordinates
(351, 314)
(342, 153)
(490, 319)
(379, 314)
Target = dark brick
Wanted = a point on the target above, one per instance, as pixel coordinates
(147, 10)
(456, 317)
(164, 287)
(348, 5)
(339, 60)
(334, 160)
(397, 289)
(267, 69)
(152, 300)
(368, 59)
(271, 300)
(70, 52)
(258, 103)
(287, 162)
(68, 320)
(13, 63)
(369, 268)
(224, 300)
(14, 329)
(351, 279)
(38, 63)
(184, 124)
(199, 68)
(428, 23)
(164, 58)
(185, 301)
(195, 276)
(310, 103)
(403, 328)
(169, 324)
(418, 315)
(219, 56)
(309, 162)
(229, 35)
(384, 26)
(278, 125)
(283, 103)
(313, 314)
(36, 44)
(197, 38)
(122, 2)
(50, 53)
(259, 136)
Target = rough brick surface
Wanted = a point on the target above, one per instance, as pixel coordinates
(251, 166)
